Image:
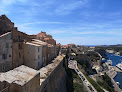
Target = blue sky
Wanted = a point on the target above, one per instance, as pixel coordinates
(83, 22)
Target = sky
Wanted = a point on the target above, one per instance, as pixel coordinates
(83, 22)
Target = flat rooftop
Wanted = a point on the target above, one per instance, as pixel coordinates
(23, 74)
(33, 44)
(19, 75)
(39, 41)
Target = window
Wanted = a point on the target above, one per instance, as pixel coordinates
(17, 64)
(44, 46)
(19, 46)
(4, 56)
(38, 63)
(19, 38)
(3, 68)
(19, 55)
(9, 55)
(38, 57)
(7, 45)
(38, 49)
(43, 59)
(11, 36)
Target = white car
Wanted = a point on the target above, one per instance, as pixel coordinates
(87, 84)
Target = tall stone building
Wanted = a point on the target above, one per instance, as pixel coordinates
(12, 40)
(33, 55)
(18, 47)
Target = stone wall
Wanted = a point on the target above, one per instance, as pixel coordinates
(56, 81)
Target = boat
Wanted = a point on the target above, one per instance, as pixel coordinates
(119, 65)
(117, 54)
(109, 62)
(103, 59)
(118, 83)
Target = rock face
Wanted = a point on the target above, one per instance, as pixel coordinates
(56, 81)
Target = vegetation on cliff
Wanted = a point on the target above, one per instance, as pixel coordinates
(96, 86)
(93, 56)
(105, 82)
(102, 49)
(73, 81)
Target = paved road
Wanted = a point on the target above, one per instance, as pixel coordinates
(73, 65)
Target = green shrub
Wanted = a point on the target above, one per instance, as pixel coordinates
(78, 87)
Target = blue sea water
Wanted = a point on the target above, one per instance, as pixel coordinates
(115, 60)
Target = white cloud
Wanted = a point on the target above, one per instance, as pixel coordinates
(69, 7)
(8, 2)
(48, 22)
(5, 5)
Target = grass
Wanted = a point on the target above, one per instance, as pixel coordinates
(96, 86)
(78, 87)
(105, 85)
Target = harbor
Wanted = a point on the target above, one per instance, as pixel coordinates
(116, 72)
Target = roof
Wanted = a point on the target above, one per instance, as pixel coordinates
(29, 43)
(50, 45)
(19, 75)
(71, 44)
(46, 38)
(5, 34)
(39, 42)
(49, 35)
(3, 17)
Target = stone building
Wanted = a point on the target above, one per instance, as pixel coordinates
(50, 55)
(46, 38)
(58, 48)
(5, 52)
(17, 38)
(71, 45)
(20, 44)
(18, 48)
(33, 55)
(44, 50)
(20, 79)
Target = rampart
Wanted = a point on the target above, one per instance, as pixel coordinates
(56, 76)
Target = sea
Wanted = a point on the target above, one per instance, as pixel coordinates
(115, 60)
